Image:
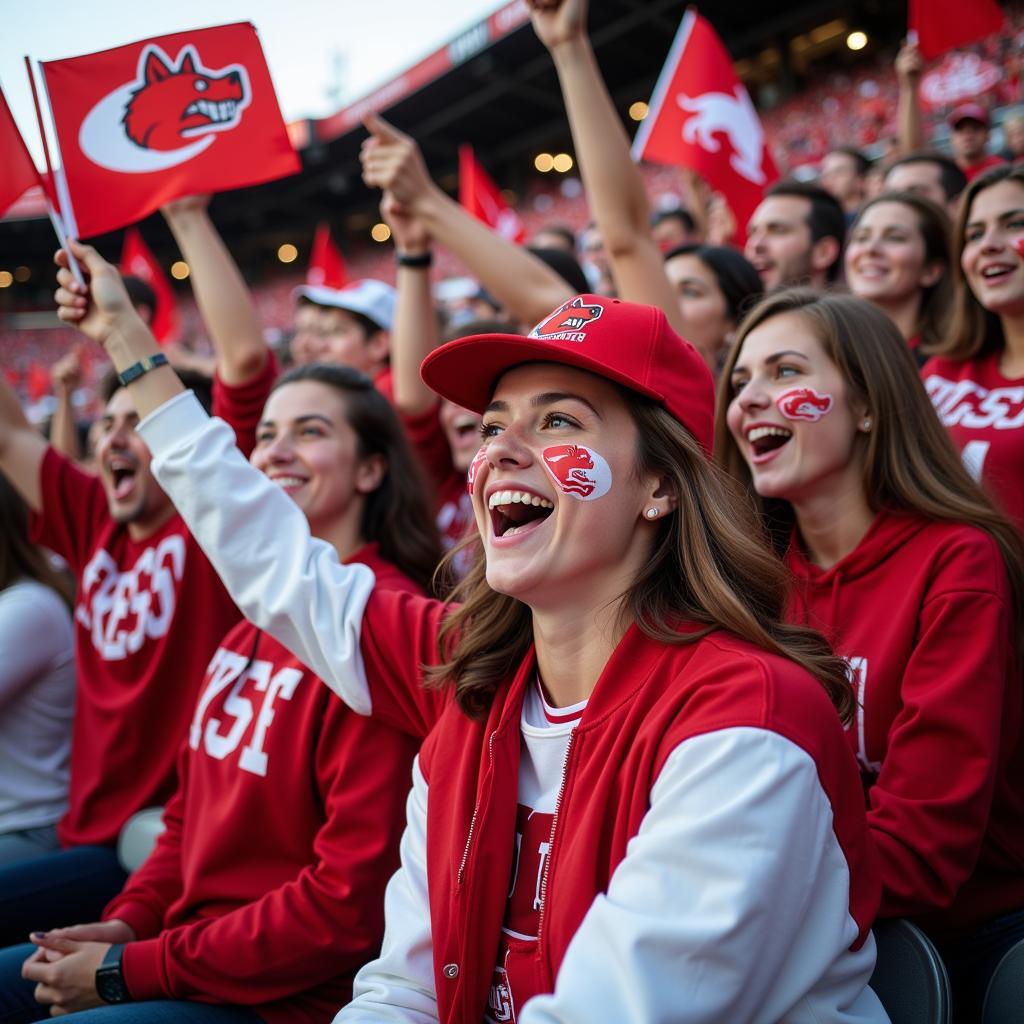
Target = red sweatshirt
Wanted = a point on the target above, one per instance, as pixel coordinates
(267, 888)
(148, 615)
(984, 414)
(922, 612)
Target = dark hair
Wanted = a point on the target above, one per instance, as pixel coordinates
(951, 178)
(563, 231)
(738, 281)
(909, 461)
(195, 381)
(565, 266)
(140, 293)
(482, 326)
(826, 218)
(860, 161)
(934, 227)
(19, 558)
(974, 330)
(398, 515)
(675, 213)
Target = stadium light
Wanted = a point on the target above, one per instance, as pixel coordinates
(179, 270)
(562, 163)
(638, 110)
(857, 40)
(22, 274)
(287, 253)
(6, 279)
(380, 232)
(544, 162)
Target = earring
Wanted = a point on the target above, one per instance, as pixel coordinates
(652, 513)
(865, 424)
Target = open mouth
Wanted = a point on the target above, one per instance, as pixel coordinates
(215, 113)
(517, 512)
(764, 440)
(289, 484)
(997, 273)
(122, 474)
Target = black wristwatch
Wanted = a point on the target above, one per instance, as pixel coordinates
(110, 986)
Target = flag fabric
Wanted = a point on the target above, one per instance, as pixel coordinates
(481, 197)
(175, 115)
(943, 25)
(701, 116)
(326, 264)
(138, 261)
(17, 171)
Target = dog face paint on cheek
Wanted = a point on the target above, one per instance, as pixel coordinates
(804, 404)
(474, 467)
(578, 471)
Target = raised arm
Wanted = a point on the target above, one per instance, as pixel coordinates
(221, 294)
(525, 286)
(614, 187)
(909, 65)
(67, 378)
(22, 448)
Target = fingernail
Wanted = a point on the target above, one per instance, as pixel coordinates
(39, 935)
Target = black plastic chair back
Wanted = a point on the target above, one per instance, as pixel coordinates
(1004, 999)
(910, 978)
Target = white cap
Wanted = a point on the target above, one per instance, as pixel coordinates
(373, 299)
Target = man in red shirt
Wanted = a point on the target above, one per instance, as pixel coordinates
(968, 135)
(149, 613)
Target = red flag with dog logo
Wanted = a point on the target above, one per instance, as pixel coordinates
(479, 195)
(701, 116)
(326, 264)
(142, 124)
(138, 261)
(17, 171)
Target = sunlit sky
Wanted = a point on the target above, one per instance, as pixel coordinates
(322, 53)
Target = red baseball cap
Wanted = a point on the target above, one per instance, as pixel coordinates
(968, 112)
(628, 343)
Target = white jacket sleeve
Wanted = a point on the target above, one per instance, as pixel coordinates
(398, 986)
(284, 580)
(731, 904)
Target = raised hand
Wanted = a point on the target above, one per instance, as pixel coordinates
(392, 161)
(66, 374)
(909, 63)
(558, 21)
(101, 306)
(408, 232)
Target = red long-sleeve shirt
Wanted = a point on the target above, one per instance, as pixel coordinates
(267, 887)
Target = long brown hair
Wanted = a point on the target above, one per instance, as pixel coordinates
(974, 330)
(934, 227)
(19, 558)
(398, 514)
(708, 567)
(909, 462)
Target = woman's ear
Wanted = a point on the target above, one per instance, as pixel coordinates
(932, 274)
(661, 499)
(370, 473)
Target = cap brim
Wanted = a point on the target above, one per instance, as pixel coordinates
(321, 295)
(465, 371)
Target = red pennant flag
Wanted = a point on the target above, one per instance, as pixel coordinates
(702, 117)
(483, 199)
(138, 261)
(326, 264)
(17, 171)
(943, 25)
(143, 124)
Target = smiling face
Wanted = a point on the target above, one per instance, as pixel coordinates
(558, 498)
(133, 495)
(885, 257)
(991, 263)
(305, 445)
(462, 429)
(790, 415)
(325, 334)
(701, 302)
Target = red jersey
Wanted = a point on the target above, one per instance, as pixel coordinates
(984, 414)
(986, 163)
(922, 612)
(267, 887)
(148, 615)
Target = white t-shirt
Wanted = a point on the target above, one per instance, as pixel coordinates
(37, 704)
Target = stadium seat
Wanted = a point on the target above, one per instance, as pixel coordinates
(910, 978)
(138, 837)
(1004, 1000)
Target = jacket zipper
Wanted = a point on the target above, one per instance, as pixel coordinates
(551, 838)
(476, 809)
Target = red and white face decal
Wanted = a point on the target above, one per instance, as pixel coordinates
(474, 467)
(804, 404)
(578, 471)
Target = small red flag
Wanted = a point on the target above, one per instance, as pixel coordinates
(326, 264)
(142, 124)
(138, 261)
(17, 171)
(943, 25)
(482, 198)
(702, 117)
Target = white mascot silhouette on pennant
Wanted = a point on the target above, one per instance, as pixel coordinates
(736, 117)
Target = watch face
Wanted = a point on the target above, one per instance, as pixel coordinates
(110, 986)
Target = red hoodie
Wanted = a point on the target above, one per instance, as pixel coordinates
(922, 611)
(267, 888)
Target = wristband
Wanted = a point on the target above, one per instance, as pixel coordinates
(110, 986)
(420, 262)
(141, 368)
